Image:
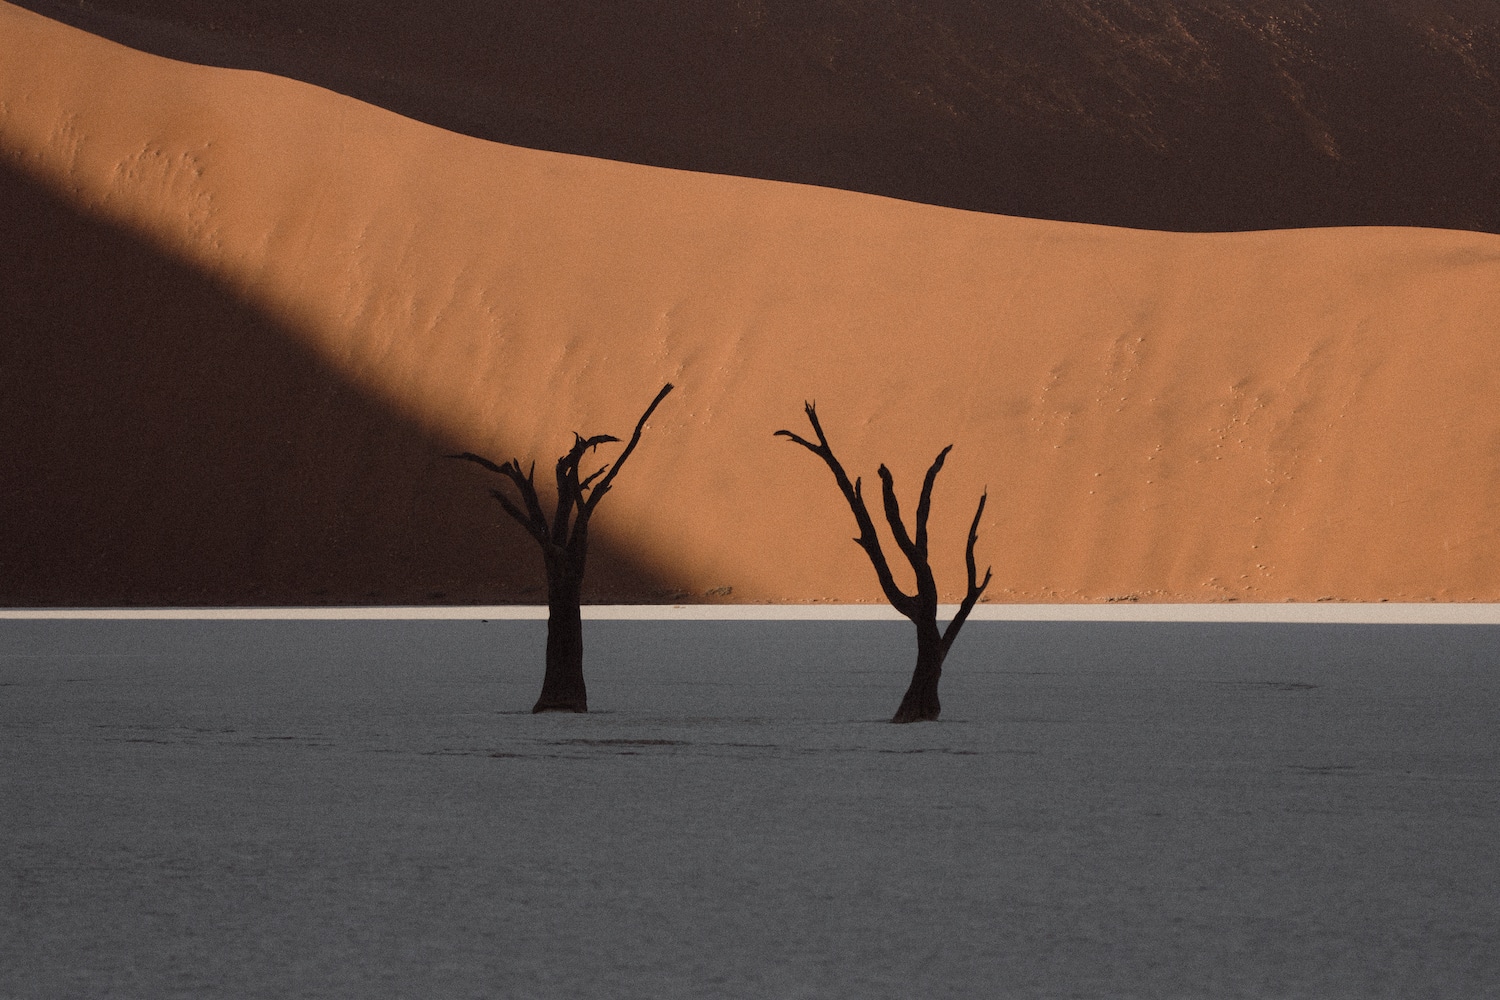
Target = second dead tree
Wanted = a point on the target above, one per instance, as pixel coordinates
(564, 545)
(921, 700)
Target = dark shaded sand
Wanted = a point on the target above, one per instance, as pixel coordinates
(168, 443)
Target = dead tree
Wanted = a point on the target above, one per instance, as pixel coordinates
(564, 545)
(921, 700)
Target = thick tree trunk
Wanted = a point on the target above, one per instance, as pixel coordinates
(563, 689)
(921, 701)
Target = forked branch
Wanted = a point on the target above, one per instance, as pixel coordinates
(921, 701)
(576, 497)
(924, 505)
(913, 547)
(976, 586)
(853, 494)
(597, 494)
(532, 519)
(569, 487)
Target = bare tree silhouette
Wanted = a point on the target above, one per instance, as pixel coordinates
(921, 700)
(564, 545)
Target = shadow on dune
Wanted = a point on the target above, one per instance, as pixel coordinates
(167, 444)
(1189, 115)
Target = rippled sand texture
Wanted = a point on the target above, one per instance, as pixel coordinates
(1255, 416)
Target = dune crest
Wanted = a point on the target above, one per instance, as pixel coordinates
(1252, 416)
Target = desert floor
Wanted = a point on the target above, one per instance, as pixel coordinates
(366, 809)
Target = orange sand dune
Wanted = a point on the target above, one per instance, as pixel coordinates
(1255, 416)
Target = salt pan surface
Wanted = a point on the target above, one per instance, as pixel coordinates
(365, 809)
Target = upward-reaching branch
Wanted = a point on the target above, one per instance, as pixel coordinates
(893, 515)
(586, 507)
(915, 550)
(569, 486)
(924, 506)
(975, 588)
(575, 499)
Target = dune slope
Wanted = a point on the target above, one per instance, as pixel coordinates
(1194, 115)
(1251, 416)
(168, 443)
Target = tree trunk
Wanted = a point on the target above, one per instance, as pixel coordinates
(921, 701)
(563, 689)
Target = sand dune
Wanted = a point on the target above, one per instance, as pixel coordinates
(1193, 115)
(1251, 416)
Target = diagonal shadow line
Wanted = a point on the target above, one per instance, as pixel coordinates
(912, 101)
(163, 442)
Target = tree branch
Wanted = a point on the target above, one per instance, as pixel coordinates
(800, 440)
(527, 485)
(533, 520)
(593, 475)
(586, 507)
(915, 551)
(893, 516)
(853, 495)
(976, 588)
(924, 506)
(569, 487)
(515, 512)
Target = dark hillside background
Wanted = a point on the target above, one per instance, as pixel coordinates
(1163, 114)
